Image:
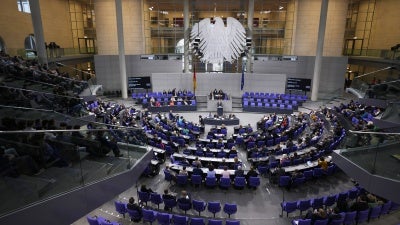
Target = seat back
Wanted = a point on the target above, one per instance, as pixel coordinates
(199, 206)
(120, 207)
(375, 212)
(144, 196)
(232, 222)
(179, 220)
(170, 203)
(284, 181)
(148, 215)
(254, 182)
(303, 205)
(362, 216)
(230, 208)
(386, 207)
(317, 203)
(240, 182)
(163, 218)
(92, 220)
(211, 181)
(329, 200)
(214, 222)
(350, 218)
(321, 222)
(225, 182)
(214, 207)
(196, 221)
(181, 179)
(196, 179)
(134, 215)
(156, 198)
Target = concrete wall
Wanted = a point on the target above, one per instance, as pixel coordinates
(106, 27)
(167, 74)
(385, 27)
(107, 69)
(308, 13)
(332, 71)
(228, 82)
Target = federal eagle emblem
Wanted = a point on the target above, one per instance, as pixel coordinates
(217, 42)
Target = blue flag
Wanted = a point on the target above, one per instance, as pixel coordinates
(242, 83)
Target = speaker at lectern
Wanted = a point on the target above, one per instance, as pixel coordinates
(220, 109)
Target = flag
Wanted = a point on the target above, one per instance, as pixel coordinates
(242, 82)
(194, 79)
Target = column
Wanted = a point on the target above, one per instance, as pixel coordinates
(250, 15)
(38, 30)
(320, 48)
(186, 36)
(121, 48)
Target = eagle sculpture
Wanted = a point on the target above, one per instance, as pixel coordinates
(219, 43)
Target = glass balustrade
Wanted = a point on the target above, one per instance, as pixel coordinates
(378, 153)
(45, 154)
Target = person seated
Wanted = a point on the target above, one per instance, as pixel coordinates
(157, 104)
(360, 204)
(211, 171)
(323, 164)
(318, 214)
(373, 200)
(284, 159)
(183, 171)
(233, 151)
(171, 103)
(197, 162)
(279, 171)
(134, 207)
(168, 195)
(239, 172)
(334, 214)
(225, 173)
(143, 188)
(197, 170)
(252, 173)
(184, 198)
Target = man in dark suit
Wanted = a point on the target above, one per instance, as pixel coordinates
(134, 207)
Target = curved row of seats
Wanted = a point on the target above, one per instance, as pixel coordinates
(161, 95)
(274, 96)
(272, 101)
(212, 182)
(354, 217)
(198, 206)
(269, 105)
(330, 200)
(315, 173)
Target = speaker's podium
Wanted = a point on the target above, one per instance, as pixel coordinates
(220, 106)
(220, 110)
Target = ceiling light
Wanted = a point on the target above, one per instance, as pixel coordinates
(280, 7)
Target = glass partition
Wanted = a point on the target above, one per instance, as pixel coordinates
(378, 83)
(376, 152)
(45, 153)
